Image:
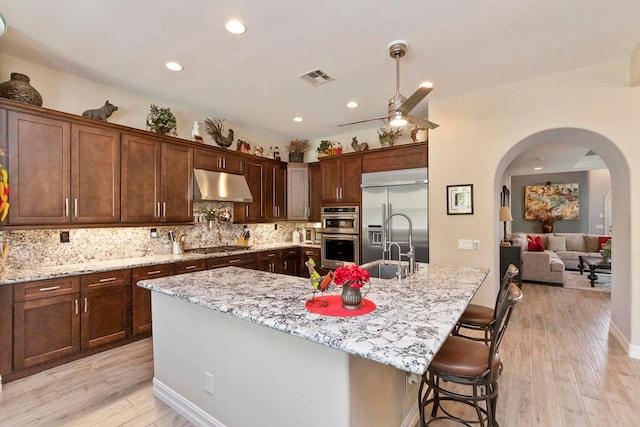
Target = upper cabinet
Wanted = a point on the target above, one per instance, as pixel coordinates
(157, 180)
(298, 207)
(218, 160)
(62, 172)
(406, 156)
(276, 186)
(315, 192)
(341, 179)
(255, 176)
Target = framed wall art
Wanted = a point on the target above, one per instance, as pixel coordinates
(460, 199)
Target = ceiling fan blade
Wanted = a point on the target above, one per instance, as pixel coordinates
(422, 122)
(363, 121)
(414, 99)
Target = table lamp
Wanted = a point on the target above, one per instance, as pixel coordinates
(505, 215)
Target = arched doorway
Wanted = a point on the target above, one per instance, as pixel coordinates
(620, 216)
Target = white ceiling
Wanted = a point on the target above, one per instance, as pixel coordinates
(252, 80)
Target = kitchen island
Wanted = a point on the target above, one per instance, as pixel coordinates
(246, 337)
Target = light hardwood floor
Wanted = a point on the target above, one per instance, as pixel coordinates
(561, 368)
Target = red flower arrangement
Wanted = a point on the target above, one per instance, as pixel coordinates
(353, 275)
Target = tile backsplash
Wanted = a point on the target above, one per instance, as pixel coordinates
(28, 248)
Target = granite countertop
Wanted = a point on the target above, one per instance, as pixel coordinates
(51, 272)
(410, 323)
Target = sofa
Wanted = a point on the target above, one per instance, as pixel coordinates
(561, 252)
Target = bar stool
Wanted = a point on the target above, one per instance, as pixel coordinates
(466, 363)
(480, 318)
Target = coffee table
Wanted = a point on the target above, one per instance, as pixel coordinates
(592, 263)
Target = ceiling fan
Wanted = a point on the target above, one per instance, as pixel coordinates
(399, 107)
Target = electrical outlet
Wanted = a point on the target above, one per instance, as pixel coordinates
(465, 244)
(476, 244)
(64, 237)
(208, 382)
(154, 233)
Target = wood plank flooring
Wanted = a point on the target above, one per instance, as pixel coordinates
(561, 368)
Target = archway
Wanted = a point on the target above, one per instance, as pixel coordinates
(621, 217)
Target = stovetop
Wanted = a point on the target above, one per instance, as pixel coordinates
(217, 249)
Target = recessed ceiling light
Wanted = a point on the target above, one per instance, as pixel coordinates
(426, 84)
(352, 104)
(298, 119)
(174, 66)
(235, 27)
(538, 168)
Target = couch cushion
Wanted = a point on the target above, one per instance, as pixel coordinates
(520, 239)
(591, 241)
(557, 243)
(535, 244)
(574, 241)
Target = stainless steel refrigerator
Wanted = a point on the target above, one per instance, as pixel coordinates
(387, 193)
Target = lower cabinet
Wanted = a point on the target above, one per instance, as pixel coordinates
(46, 321)
(269, 261)
(141, 297)
(290, 261)
(305, 254)
(106, 308)
(189, 266)
(240, 260)
(58, 317)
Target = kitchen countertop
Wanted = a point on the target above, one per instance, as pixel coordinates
(51, 272)
(410, 323)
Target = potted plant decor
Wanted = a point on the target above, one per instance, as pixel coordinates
(388, 137)
(162, 121)
(296, 148)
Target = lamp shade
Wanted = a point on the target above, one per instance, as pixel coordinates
(505, 214)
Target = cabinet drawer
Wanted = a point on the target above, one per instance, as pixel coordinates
(105, 280)
(290, 253)
(231, 261)
(46, 288)
(151, 272)
(189, 266)
(269, 255)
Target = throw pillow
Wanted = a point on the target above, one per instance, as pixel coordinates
(535, 244)
(602, 240)
(557, 244)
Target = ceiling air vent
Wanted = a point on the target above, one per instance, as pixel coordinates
(316, 77)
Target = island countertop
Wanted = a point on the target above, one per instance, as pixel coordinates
(410, 323)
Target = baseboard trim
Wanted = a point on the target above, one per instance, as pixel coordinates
(183, 406)
(632, 351)
(412, 418)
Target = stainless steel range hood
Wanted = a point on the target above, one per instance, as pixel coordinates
(220, 186)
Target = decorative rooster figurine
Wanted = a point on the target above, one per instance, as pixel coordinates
(214, 128)
(318, 284)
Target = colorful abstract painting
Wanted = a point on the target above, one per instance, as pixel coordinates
(551, 202)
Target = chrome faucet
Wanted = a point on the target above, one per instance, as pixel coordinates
(399, 270)
(386, 245)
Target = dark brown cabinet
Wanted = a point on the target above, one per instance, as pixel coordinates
(240, 260)
(254, 211)
(189, 266)
(270, 261)
(406, 156)
(290, 261)
(105, 308)
(341, 179)
(511, 255)
(157, 182)
(305, 254)
(46, 321)
(63, 172)
(141, 297)
(215, 159)
(275, 194)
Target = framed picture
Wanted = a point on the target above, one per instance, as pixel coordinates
(460, 199)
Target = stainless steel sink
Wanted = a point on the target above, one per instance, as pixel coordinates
(386, 271)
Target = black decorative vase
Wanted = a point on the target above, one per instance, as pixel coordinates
(19, 89)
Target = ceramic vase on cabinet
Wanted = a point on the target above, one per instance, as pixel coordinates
(19, 89)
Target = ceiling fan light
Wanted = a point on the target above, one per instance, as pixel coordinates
(397, 120)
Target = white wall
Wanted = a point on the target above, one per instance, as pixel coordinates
(484, 131)
(72, 94)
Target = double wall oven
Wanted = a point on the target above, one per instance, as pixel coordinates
(340, 236)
